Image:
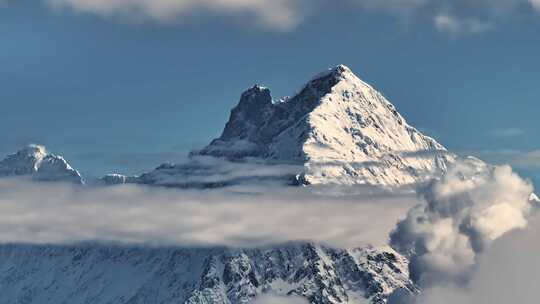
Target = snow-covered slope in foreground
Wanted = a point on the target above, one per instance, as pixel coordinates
(98, 274)
(34, 161)
(338, 128)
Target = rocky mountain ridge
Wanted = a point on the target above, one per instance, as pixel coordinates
(76, 274)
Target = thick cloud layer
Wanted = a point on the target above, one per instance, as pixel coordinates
(467, 210)
(57, 213)
(508, 272)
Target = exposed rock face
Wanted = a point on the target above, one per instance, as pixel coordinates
(116, 179)
(35, 162)
(112, 274)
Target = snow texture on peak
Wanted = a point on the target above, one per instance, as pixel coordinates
(32, 150)
(36, 162)
(338, 127)
(23, 162)
(338, 72)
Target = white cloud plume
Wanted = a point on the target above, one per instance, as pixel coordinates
(508, 272)
(57, 213)
(465, 211)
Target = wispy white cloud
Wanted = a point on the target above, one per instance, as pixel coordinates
(450, 16)
(508, 132)
(453, 16)
(446, 23)
(279, 14)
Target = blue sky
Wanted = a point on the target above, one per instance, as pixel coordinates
(125, 85)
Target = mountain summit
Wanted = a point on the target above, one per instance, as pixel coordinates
(36, 162)
(339, 128)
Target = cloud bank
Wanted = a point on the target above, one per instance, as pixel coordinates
(57, 213)
(465, 211)
(453, 16)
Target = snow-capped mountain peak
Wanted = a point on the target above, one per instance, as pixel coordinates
(36, 162)
(25, 161)
(338, 72)
(32, 150)
(338, 127)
